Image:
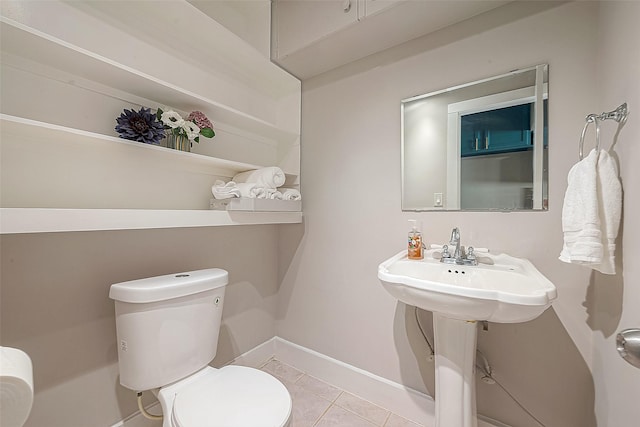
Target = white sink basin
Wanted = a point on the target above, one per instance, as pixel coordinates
(507, 291)
(500, 288)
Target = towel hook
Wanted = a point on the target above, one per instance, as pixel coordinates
(591, 118)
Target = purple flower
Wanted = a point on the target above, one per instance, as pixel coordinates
(141, 126)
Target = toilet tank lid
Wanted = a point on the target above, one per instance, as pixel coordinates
(169, 286)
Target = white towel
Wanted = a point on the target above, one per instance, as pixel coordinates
(580, 220)
(269, 177)
(290, 194)
(222, 190)
(250, 190)
(266, 193)
(610, 209)
(273, 194)
(591, 213)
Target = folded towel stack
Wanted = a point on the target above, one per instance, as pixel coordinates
(260, 184)
(591, 213)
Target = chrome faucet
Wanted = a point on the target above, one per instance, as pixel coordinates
(458, 257)
(455, 242)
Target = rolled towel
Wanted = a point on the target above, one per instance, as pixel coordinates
(250, 190)
(273, 194)
(267, 193)
(269, 177)
(222, 190)
(290, 194)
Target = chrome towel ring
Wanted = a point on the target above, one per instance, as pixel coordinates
(620, 115)
(591, 118)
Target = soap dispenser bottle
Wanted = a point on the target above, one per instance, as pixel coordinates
(414, 248)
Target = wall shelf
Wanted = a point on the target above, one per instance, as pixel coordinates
(19, 127)
(34, 220)
(62, 170)
(15, 220)
(23, 41)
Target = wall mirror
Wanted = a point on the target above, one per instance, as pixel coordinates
(478, 146)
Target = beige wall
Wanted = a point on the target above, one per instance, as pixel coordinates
(55, 306)
(331, 300)
(614, 302)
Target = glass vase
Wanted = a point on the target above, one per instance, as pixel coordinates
(178, 142)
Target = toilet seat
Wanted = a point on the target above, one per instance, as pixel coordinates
(233, 396)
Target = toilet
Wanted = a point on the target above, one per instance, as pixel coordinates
(167, 332)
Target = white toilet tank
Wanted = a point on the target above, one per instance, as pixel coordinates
(167, 326)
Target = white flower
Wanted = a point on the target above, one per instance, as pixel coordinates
(172, 119)
(191, 129)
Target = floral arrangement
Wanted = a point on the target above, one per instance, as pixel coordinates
(149, 128)
(195, 125)
(141, 126)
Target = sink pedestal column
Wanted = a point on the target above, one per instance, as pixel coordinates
(455, 348)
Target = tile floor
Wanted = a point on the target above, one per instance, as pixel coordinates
(318, 404)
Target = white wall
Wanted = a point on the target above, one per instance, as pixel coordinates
(331, 300)
(614, 300)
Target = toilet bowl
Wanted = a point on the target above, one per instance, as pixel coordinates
(233, 396)
(167, 331)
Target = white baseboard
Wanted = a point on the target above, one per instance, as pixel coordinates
(257, 356)
(399, 399)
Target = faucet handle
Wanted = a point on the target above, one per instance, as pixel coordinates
(471, 253)
(445, 252)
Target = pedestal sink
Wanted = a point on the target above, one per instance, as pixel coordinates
(500, 289)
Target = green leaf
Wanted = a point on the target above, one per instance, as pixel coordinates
(207, 132)
(159, 113)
